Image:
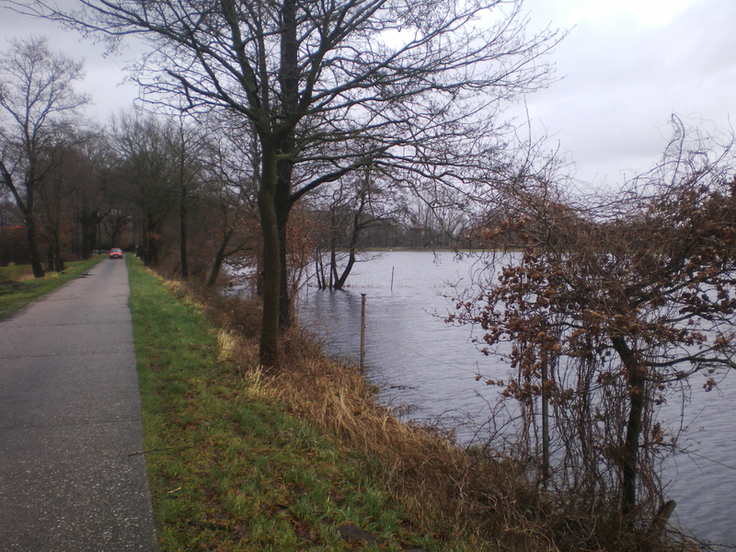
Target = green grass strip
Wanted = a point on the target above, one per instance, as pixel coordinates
(14, 295)
(229, 467)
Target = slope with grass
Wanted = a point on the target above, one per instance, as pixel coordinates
(303, 458)
(230, 467)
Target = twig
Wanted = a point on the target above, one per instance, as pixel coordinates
(149, 450)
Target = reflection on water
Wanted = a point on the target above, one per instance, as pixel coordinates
(421, 362)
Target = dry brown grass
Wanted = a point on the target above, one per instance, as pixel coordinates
(477, 497)
(460, 495)
(18, 273)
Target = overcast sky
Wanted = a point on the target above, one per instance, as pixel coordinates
(624, 68)
(104, 74)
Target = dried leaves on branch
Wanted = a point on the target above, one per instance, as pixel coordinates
(603, 310)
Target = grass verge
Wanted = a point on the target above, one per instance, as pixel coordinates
(230, 467)
(289, 460)
(16, 294)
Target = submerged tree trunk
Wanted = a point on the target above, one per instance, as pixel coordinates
(357, 227)
(333, 265)
(319, 269)
(340, 283)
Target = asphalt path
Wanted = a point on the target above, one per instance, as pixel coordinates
(72, 475)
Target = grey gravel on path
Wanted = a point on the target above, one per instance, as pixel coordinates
(72, 477)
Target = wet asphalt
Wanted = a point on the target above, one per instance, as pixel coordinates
(72, 472)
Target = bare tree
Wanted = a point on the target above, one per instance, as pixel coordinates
(150, 170)
(358, 202)
(438, 217)
(72, 197)
(93, 191)
(38, 100)
(12, 240)
(53, 215)
(230, 189)
(417, 82)
(189, 146)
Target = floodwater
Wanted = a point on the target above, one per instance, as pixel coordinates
(429, 367)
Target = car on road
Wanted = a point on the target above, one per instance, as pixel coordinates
(116, 253)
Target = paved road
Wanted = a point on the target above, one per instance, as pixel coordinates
(70, 422)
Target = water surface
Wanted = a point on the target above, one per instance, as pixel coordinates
(421, 362)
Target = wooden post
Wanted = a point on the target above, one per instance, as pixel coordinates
(545, 422)
(658, 524)
(362, 330)
(662, 517)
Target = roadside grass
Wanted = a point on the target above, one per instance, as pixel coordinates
(231, 466)
(242, 459)
(18, 288)
(16, 272)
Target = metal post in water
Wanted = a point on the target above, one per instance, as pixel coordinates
(362, 330)
(392, 278)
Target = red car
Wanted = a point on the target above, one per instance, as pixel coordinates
(116, 253)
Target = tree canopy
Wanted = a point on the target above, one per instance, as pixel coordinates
(37, 102)
(335, 85)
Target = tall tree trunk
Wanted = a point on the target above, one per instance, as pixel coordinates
(636, 376)
(269, 354)
(216, 267)
(282, 210)
(219, 258)
(26, 207)
(156, 243)
(357, 227)
(319, 270)
(150, 242)
(183, 235)
(58, 251)
(289, 73)
(146, 243)
(36, 265)
(88, 229)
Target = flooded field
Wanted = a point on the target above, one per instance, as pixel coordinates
(430, 367)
